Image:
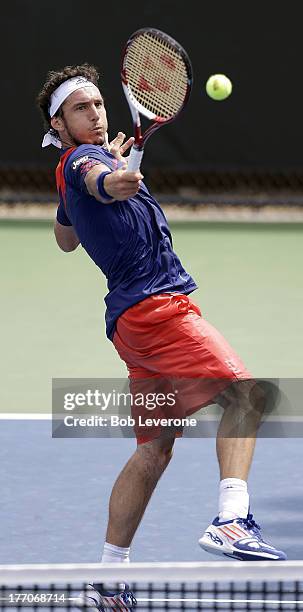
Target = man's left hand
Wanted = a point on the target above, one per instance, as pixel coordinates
(117, 148)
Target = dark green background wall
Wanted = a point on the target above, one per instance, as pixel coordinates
(259, 45)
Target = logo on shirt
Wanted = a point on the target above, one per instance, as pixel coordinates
(79, 161)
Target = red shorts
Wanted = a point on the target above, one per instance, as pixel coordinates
(166, 344)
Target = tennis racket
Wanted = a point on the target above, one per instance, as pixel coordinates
(157, 79)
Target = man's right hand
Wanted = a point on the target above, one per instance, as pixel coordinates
(121, 185)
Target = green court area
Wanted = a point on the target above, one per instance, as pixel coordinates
(52, 309)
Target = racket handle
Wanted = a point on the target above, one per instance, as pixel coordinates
(134, 160)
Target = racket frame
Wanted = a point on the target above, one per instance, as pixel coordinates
(136, 108)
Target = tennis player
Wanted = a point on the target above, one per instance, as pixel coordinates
(154, 324)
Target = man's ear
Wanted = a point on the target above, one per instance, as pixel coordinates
(57, 123)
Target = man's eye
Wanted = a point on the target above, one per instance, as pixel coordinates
(99, 103)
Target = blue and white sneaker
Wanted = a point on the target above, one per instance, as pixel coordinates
(240, 539)
(97, 598)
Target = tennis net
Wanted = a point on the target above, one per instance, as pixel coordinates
(159, 586)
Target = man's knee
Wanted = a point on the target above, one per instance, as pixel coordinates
(248, 402)
(258, 395)
(243, 394)
(158, 451)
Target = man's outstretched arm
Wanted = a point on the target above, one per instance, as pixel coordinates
(120, 184)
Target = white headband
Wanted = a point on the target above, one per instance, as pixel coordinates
(57, 98)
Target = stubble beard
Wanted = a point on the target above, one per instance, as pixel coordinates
(75, 142)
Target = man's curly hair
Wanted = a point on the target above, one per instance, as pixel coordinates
(54, 78)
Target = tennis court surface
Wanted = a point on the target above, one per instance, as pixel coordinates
(159, 586)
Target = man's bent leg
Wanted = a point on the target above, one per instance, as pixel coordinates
(234, 533)
(236, 440)
(244, 404)
(134, 487)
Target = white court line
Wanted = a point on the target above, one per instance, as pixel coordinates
(25, 416)
(34, 416)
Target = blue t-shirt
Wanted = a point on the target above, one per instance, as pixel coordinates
(129, 241)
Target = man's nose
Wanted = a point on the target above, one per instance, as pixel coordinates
(94, 114)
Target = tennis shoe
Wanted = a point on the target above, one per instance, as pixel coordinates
(240, 539)
(97, 598)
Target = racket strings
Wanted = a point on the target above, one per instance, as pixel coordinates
(157, 75)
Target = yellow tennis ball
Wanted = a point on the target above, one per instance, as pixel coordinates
(219, 87)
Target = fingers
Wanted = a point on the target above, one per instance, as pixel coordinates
(133, 177)
(118, 140)
(116, 146)
(126, 145)
(106, 143)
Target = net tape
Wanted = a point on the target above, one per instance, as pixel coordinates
(165, 586)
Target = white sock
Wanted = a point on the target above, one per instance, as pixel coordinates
(233, 499)
(114, 554)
